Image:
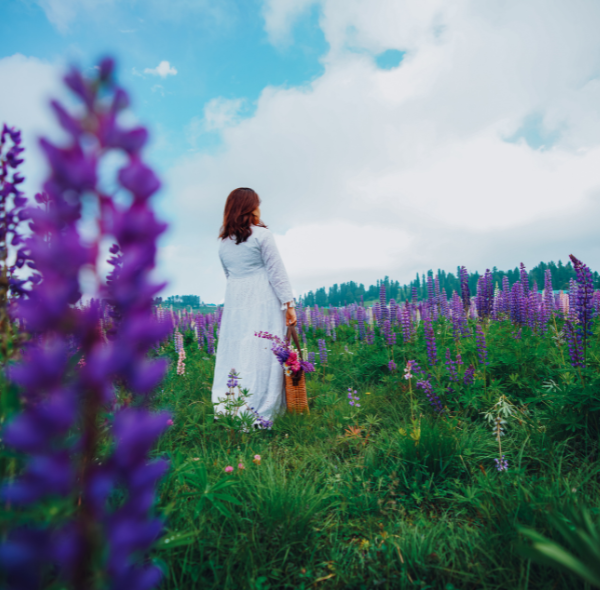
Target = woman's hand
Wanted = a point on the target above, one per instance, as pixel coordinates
(290, 317)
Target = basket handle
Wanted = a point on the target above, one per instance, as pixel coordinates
(291, 332)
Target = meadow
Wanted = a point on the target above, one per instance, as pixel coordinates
(423, 483)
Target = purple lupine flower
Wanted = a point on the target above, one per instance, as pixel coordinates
(388, 333)
(484, 299)
(458, 318)
(430, 288)
(574, 336)
(360, 318)
(451, 366)
(524, 279)
(261, 422)
(584, 301)
(430, 340)
(392, 366)
(481, 345)
(405, 322)
(322, 351)
(415, 295)
(210, 338)
(311, 358)
(465, 292)
(384, 311)
(353, 398)
(12, 214)
(425, 386)
(469, 377)
(393, 311)
(548, 293)
(533, 310)
(233, 380)
(59, 397)
(501, 464)
(444, 308)
(370, 337)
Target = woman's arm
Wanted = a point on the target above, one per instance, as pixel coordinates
(276, 272)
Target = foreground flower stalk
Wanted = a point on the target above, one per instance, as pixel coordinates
(68, 391)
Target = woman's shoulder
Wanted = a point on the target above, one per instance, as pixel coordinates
(260, 233)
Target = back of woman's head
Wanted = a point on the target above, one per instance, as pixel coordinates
(238, 218)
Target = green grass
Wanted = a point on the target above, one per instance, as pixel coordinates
(402, 503)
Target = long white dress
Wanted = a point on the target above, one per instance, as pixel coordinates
(257, 290)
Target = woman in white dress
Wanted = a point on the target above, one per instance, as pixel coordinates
(258, 297)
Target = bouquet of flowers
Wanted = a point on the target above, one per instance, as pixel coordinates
(288, 358)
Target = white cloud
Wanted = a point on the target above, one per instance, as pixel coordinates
(410, 168)
(28, 84)
(163, 69)
(62, 13)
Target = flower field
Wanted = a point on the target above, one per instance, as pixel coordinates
(452, 440)
(466, 418)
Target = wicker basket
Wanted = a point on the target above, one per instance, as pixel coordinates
(295, 387)
(295, 394)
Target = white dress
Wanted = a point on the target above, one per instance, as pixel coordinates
(257, 290)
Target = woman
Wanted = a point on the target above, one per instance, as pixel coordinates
(258, 291)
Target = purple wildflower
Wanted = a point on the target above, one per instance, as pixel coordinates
(451, 366)
(501, 464)
(481, 345)
(59, 399)
(583, 301)
(425, 386)
(392, 366)
(322, 351)
(353, 397)
(430, 340)
(469, 377)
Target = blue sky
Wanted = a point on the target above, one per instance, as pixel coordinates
(216, 52)
(385, 137)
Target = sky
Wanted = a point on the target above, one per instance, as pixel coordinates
(384, 137)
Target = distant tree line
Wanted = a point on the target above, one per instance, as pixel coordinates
(352, 292)
(176, 301)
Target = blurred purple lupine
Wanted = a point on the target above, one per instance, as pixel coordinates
(392, 366)
(59, 400)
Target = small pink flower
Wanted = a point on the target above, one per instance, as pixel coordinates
(228, 469)
(241, 466)
(256, 459)
(169, 422)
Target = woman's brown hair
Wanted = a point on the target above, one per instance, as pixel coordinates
(238, 217)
